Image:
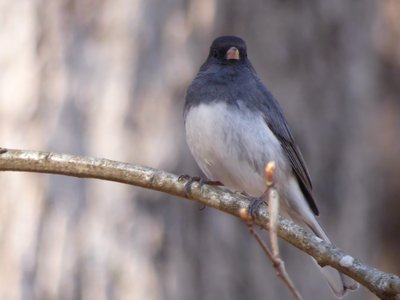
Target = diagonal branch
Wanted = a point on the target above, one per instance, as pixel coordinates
(384, 285)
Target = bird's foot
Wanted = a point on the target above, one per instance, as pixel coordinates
(201, 181)
(255, 205)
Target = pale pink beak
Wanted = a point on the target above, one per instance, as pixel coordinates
(232, 53)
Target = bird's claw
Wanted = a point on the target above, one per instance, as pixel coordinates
(254, 206)
(189, 181)
(201, 181)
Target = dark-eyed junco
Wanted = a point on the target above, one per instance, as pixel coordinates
(234, 127)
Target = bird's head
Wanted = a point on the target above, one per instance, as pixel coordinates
(228, 50)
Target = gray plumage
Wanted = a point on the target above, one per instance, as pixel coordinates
(234, 127)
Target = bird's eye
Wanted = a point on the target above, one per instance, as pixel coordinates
(215, 53)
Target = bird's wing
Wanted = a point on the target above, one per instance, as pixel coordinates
(275, 120)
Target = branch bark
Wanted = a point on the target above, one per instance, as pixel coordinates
(384, 285)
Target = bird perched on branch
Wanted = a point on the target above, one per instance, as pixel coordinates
(234, 127)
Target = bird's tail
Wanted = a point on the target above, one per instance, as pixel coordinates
(298, 209)
(338, 282)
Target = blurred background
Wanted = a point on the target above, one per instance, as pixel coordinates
(107, 79)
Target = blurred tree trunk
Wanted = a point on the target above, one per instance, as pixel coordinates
(107, 78)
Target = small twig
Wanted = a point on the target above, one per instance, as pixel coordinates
(277, 263)
(264, 247)
(273, 208)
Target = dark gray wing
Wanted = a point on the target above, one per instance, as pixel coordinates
(277, 123)
(297, 163)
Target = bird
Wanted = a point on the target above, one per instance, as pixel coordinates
(234, 126)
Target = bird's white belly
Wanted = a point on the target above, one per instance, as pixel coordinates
(233, 145)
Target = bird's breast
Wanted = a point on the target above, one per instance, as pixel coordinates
(232, 144)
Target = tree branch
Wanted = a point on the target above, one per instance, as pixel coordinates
(384, 285)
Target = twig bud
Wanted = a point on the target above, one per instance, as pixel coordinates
(269, 173)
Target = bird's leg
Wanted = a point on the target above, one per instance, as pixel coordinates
(201, 181)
